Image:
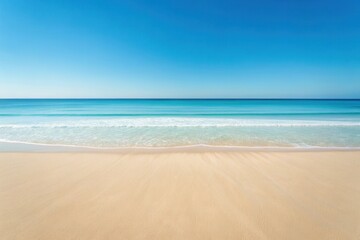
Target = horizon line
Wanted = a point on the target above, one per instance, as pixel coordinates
(178, 98)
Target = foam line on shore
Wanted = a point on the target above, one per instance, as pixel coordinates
(183, 147)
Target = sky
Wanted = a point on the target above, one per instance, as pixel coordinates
(180, 49)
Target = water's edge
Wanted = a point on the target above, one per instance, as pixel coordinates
(11, 146)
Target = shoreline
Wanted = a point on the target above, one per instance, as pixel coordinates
(15, 146)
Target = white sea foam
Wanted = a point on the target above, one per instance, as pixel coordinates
(192, 146)
(182, 122)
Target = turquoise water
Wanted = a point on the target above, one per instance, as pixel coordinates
(119, 123)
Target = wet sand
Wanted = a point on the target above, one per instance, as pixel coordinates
(180, 195)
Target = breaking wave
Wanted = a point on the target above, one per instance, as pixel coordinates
(181, 122)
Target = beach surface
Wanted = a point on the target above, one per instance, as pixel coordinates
(180, 195)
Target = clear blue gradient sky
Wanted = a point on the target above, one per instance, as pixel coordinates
(180, 49)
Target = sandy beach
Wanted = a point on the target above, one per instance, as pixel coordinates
(180, 195)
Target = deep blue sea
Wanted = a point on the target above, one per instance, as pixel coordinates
(123, 123)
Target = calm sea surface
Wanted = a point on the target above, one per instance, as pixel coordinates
(167, 123)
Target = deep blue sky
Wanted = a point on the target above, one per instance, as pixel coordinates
(204, 49)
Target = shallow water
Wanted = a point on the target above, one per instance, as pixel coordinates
(115, 123)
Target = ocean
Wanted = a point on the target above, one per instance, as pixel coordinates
(165, 123)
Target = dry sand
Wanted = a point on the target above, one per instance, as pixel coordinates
(209, 195)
